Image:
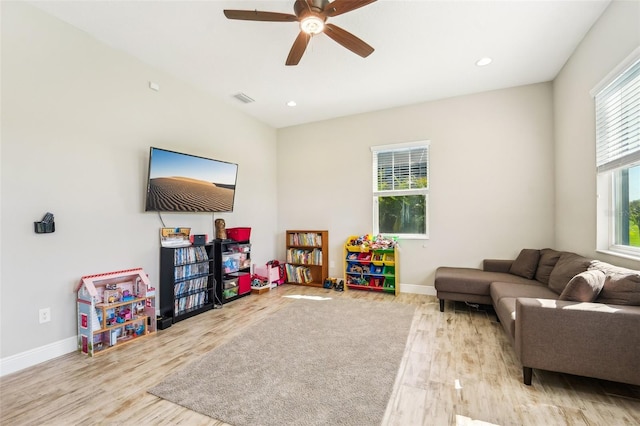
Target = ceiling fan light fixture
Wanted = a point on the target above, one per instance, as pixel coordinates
(312, 25)
(312, 16)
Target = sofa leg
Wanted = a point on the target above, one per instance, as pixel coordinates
(527, 373)
(441, 305)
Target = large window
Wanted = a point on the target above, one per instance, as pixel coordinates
(618, 161)
(401, 189)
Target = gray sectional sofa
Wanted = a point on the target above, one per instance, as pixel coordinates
(563, 312)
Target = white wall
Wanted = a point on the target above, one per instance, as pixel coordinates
(614, 36)
(492, 177)
(77, 122)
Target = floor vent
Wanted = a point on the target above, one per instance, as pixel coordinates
(243, 98)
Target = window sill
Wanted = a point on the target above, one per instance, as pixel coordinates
(412, 237)
(619, 254)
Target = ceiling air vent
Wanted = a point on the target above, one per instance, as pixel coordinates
(243, 98)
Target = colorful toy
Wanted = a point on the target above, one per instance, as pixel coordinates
(125, 314)
(126, 296)
(379, 242)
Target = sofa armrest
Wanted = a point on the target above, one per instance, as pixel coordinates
(587, 339)
(496, 265)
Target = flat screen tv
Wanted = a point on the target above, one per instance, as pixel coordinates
(187, 183)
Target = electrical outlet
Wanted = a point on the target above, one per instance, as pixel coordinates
(45, 315)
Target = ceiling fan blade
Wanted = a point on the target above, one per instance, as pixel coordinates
(338, 7)
(256, 15)
(348, 40)
(298, 48)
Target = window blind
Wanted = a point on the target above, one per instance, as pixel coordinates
(618, 121)
(401, 169)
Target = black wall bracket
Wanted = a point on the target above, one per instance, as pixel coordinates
(46, 226)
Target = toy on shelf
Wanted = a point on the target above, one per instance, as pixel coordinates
(368, 242)
(111, 296)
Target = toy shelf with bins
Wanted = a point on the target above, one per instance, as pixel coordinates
(186, 281)
(307, 257)
(233, 269)
(371, 268)
(114, 308)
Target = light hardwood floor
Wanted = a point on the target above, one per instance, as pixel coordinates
(458, 369)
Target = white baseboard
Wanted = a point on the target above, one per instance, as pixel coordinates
(23, 360)
(428, 290)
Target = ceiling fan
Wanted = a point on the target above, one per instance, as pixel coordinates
(312, 16)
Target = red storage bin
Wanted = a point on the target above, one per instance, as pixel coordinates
(239, 234)
(244, 282)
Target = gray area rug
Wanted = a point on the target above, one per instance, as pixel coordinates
(314, 362)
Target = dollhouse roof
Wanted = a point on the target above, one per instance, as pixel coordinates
(89, 281)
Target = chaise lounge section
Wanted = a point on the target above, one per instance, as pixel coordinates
(562, 312)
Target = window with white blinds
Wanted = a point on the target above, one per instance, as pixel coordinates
(617, 111)
(401, 189)
(618, 121)
(401, 169)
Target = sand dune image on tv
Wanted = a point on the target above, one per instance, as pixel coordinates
(179, 182)
(188, 195)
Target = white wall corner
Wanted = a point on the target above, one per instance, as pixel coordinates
(23, 360)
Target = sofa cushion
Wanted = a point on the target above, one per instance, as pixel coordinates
(506, 311)
(548, 259)
(470, 280)
(526, 263)
(497, 265)
(569, 265)
(584, 287)
(621, 289)
(537, 291)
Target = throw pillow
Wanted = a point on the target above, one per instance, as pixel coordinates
(569, 265)
(548, 259)
(584, 287)
(621, 289)
(610, 269)
(526, 263)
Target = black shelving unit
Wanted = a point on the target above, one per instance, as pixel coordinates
(187, 281)
(225, 276)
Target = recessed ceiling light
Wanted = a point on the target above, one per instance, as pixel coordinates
(291, 103)
(483, 61)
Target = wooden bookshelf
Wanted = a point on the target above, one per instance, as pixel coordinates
(307, 257)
